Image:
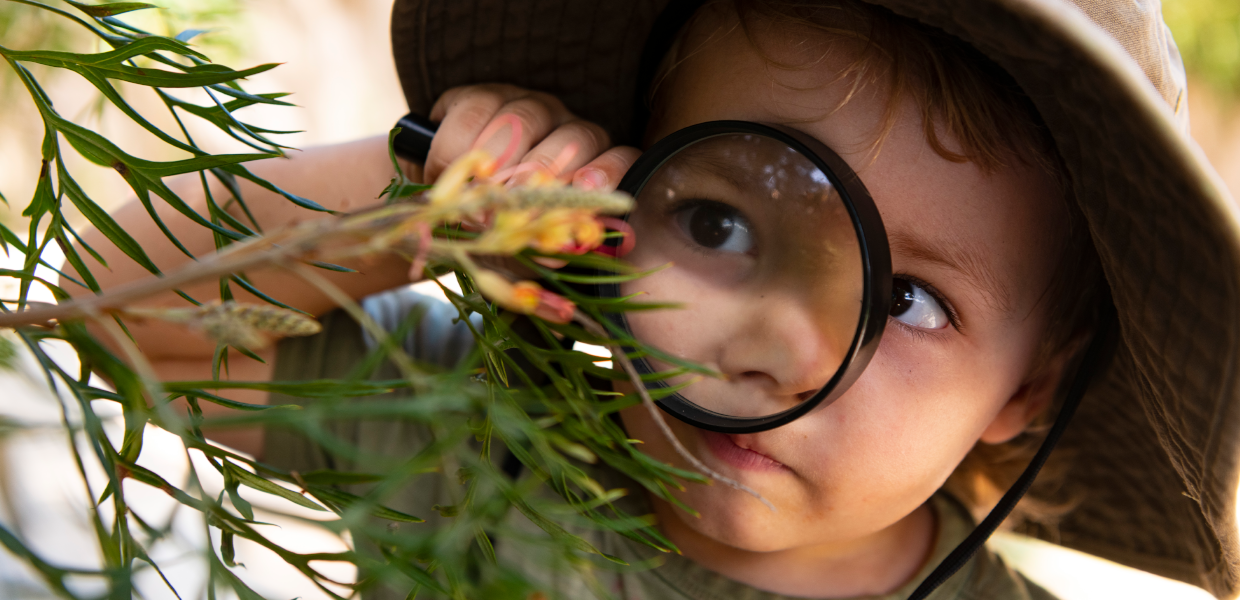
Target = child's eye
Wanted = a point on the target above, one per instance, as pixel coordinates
(716, 226)
(912, 305)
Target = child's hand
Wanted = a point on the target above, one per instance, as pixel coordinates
(551, 137)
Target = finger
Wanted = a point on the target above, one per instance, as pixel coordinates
(503, 91)
(571, 146)
(463, 114)
(605, 172)
(538, 116)
(475, 117)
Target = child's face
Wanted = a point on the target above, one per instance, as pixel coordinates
(847, 475)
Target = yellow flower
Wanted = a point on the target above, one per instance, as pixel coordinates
(542, 213)
(510, 232)
(501, 291)
(569, 230)
(448, 189)
(559, 230)
(525, 297)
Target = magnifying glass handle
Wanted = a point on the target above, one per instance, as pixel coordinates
(413, 142)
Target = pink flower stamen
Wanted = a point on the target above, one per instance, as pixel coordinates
(554, 307)
(627, 241)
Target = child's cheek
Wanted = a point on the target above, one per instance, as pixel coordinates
(926, 396)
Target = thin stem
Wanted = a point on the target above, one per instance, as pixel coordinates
(169, 420)
(410, 371)
(238, 258)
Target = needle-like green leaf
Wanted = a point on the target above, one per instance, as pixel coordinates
(264, 485)
(346, 500)
(114, 57)
(324, 388)
(103, 221)
(198, 76)
(112, 39)
(111, 9)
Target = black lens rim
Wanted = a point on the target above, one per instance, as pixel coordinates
(875, 258)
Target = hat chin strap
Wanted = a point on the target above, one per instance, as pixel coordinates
(1100, 349)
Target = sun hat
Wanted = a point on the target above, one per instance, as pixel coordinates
(1154, 444)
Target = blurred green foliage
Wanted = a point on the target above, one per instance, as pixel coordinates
(224, 33)
(26, 27)
(522, 394)
(23, 26)
(1208, 33)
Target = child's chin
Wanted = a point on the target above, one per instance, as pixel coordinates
(736, 519)
(741, 536)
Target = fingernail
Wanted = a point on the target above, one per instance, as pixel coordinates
(592, 179)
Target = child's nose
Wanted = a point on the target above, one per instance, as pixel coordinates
(787, 347)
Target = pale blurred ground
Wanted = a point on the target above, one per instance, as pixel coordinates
(337, 63)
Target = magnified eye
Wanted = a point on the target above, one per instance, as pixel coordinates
(716, 226)
(912, 305)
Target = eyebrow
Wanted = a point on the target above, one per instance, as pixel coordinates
(712, 165)
(960, 257)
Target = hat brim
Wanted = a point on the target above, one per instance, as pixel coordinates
(1154, 443)
(1156, 439)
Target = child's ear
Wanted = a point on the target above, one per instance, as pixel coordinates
(1032, 398)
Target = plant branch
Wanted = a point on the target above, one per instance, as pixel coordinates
(302, 242)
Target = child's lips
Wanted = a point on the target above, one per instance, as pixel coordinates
(737, 451)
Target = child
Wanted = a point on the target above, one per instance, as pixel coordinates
(995, 180)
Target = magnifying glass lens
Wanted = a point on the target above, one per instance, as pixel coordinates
(765, 257)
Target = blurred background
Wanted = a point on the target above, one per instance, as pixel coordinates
(337, 64)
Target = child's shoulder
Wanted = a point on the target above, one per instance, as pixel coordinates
(993, 579)
(986, 576)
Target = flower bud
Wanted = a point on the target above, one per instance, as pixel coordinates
(525, 297)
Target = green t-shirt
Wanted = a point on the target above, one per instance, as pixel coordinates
(333, 354)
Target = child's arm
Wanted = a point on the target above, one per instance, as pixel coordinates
(343, 177)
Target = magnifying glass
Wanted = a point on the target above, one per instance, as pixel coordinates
(777, 256)
(779, 260)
